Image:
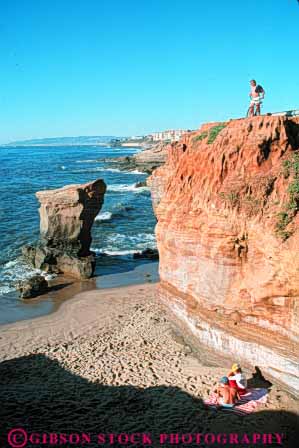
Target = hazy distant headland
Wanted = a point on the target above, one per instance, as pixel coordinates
(67, 141)
(104, 140)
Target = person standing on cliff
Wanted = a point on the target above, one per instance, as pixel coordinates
(256, 94)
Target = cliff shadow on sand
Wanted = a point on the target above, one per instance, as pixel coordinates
(39, 395)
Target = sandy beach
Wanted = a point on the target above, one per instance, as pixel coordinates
(112, 361)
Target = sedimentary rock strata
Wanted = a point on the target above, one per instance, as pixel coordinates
(66, 217)
(227, 203)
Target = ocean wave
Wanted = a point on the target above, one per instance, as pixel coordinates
(142, 236)
(88, 170)
(117, 170)
(5, 289)
(115, 252)
(126, 149)
(123, 244)
(112, 170)
(126, 187)
(119, 211)
(103, 169)
(87, 161)
(137, 172)
(103, 216)
(17, 270)
(97, 169)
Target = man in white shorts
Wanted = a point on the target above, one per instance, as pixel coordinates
(256, 94)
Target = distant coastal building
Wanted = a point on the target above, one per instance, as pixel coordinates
(171, 135)
(137, 137)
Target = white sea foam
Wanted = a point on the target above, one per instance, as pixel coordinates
(96, 170)
(5, 289)
(102, 169)
(126, 149)
(17, 270)
(116, 170)
(88, 170)
(112, 170)
(63, 167)
(103, 216)
(137, 172)
(115, 252)
(87, 161)
(126, 187)
(120, 244)
(120, 241)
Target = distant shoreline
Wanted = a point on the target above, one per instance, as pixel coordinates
(44, 145)
(47, 145)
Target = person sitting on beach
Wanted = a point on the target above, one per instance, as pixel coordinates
(226, 395)
(237, 379)
(256, 94)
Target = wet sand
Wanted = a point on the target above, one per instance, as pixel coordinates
(113, 361)
(111, 272)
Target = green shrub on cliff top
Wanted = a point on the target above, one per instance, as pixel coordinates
(211, 134)
(214, 131)
(200, 136)
(292, 206)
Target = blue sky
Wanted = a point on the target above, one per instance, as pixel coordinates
(127, 67)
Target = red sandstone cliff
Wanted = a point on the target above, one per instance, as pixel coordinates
(227, 204)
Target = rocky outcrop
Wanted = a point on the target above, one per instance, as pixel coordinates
(32, 287)
(150, 254)
(145, 161)
(227, 204)
(66, 217)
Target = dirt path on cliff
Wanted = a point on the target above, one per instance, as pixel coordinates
(111, 361)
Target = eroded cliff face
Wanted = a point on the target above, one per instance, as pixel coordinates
(227, 204)
(66, 218)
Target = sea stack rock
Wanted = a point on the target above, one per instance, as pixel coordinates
(66, 217)
(227, 204)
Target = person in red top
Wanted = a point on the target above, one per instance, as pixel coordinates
(237, 379)
(226, 396)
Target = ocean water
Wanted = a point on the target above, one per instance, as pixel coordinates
(124, 225)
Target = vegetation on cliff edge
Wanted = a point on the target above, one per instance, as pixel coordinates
(290, 167)
(211, 134)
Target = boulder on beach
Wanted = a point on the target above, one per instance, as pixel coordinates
(151, 254)
(66, 218)
(32, 287)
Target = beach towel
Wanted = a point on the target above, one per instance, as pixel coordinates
(247, 404)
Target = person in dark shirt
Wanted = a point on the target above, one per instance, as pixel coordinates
(256, 94)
